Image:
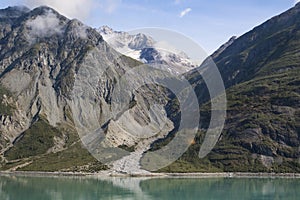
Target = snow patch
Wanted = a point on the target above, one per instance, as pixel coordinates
(168, 57)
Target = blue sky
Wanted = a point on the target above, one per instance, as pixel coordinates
(208, 22)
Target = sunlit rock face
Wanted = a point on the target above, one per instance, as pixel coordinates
(63, 73)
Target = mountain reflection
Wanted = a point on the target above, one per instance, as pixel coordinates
(15, 188)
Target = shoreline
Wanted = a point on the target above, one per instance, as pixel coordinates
(106, 174)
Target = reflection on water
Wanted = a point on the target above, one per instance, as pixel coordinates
(33, 188)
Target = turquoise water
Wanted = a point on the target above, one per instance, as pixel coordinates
(36, 188)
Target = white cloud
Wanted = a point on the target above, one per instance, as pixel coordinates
(43, 26)
(185, 12)
(297, 1)
(79, 9)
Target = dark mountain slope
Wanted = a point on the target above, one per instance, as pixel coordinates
(261, 71)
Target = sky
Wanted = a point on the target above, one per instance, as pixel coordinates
(209, 23)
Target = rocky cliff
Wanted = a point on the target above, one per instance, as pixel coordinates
(56, 75)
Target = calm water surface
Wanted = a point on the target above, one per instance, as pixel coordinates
(45, 188)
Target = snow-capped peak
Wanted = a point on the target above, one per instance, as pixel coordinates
(106, 30)
(145, 49)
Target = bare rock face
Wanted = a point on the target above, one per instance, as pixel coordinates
(64, 73)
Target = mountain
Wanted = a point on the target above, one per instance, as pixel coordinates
(61, 84)
(57, 74)
(40, 50)
(261, 73)
(145, 49)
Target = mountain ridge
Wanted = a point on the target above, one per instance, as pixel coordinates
(39, 113)
(144, 48)
(260, 70)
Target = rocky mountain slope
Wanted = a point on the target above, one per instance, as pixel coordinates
(57, 74)
(58, 78)
(261, 71)
(145, 49)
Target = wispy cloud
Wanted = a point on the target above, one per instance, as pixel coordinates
(185, 12)
(43, 26)
(79, 9)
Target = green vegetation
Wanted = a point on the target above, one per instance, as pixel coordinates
(261, 71)
(262, 120)
(76, 158)
(35, 141)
